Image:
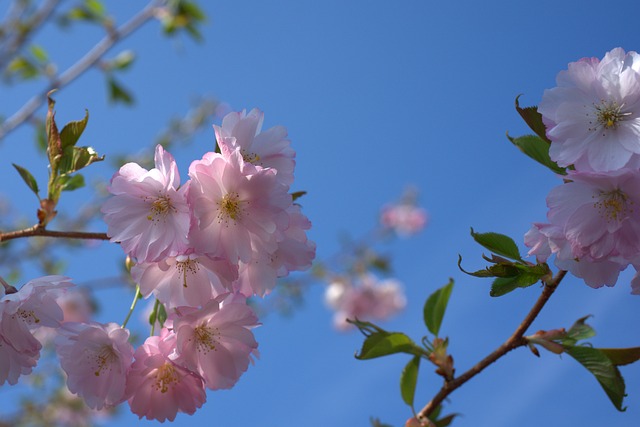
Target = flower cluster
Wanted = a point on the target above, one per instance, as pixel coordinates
(592, 119)
(366, 298)
(201, 248)
(404, 218)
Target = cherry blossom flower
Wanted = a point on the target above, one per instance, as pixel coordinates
(593, 115)
(96, 359)
(237, 207)
(269, 149)
(148, 213)
(217, 341)
(159, 388)
(404, 219)
(295, 253)
(185, 280)
(366, 299)
(21, 314)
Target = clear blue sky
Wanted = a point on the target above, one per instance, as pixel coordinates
(376, 95)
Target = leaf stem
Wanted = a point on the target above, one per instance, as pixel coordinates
(515, 340)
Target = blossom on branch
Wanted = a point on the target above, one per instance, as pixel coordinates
(96, 358)
(593, 115)
(148, 213)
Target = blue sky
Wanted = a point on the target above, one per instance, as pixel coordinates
(375, 95)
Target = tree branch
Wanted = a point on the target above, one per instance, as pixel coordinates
(83, 64)
(38, 230)
(516, 340)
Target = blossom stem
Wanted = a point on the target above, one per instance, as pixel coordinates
(515, 340)
(136, 297)
(154, 315)
(38, 230)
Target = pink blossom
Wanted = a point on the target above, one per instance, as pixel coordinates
(148, 213)
(404, 219)
(237, 207)
(159, 388)
(21, 314)
(295, 253)
(96, 358)
(268, 149)
(366, 299)
(217, 341)
(598, 213)
(593, 115)
(185, 280)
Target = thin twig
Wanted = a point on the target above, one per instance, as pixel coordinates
(83, 64)
(516, 340)
(38, 230)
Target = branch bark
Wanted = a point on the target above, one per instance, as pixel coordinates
(515, 340)
(38, 230)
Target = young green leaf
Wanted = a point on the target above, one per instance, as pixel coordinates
(538, 149)
(578, 331)
(603, 369)
(28, 179)
(117, 93)
(71, 131)
(498, 244)
(435, 307)
(384, 343)
(408, 381)
(71, 182)
(504, 285)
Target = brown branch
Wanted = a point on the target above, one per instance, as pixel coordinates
(516, 340)
(87, 61)
(38, 230)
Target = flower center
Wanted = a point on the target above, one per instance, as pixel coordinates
(160, 208)
(104, 359)
(608, 115)
(229, 207)
(189, 266)
(28, 316)
(206, 338)
(614, 205)
(166, 376)
(250, 157)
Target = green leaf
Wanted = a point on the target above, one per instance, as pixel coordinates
(117, 93)
(538, 149)
(622, 356)
(533, 120)
(379, 342)
(71, 132)
(39, 53)
(578, 331)
(71, 182)
(408, 381)
(75, 158)
(28, 179)
(504, 285)
(603, 369)
(23, 68)
(435, 306)
(498, 244)
(497, 270)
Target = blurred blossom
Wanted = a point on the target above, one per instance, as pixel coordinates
(404, 218)
(365, 299)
